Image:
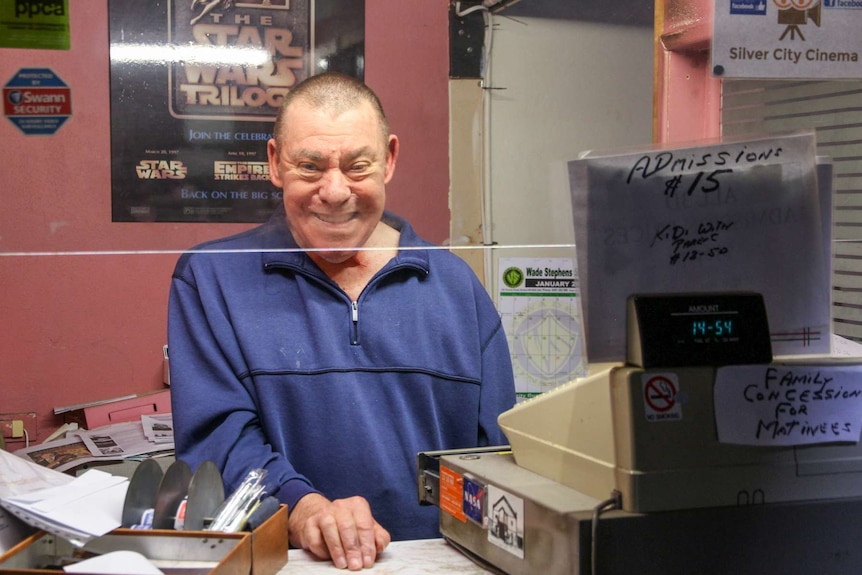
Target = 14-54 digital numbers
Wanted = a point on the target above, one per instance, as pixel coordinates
(716, 327)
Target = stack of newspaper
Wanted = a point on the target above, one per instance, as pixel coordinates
(151, 436)
(159, 428)
(34, 489)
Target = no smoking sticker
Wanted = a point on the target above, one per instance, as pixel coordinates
(661, 397)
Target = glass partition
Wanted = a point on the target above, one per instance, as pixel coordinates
(85, 292)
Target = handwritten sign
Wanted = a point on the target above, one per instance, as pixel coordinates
(741, 215)
(788, 404)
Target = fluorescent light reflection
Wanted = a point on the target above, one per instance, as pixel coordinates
(192, 54)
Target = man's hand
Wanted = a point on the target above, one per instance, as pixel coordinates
(342, 530)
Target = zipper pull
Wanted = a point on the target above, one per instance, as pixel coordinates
(354, 313)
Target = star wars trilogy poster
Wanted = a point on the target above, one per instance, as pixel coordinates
(195, 87)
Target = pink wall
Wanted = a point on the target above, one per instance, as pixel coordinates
(688, 96)
(82, 327)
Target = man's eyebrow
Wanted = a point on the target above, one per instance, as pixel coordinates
(348, 157)
(309, 154)
(358, 153)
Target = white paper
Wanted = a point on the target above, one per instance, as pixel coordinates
(19, 476)
(158, 428)
(12, 531)
(787, 405)
(116, 563)
(739, 215)
(86, 507)
(123, 439)
(91, 483)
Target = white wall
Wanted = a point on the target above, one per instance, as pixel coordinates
(560, 87)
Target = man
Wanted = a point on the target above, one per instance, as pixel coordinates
(330, 345)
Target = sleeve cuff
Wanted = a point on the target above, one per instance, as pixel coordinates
(293, 491)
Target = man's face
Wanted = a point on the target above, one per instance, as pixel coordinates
(333, 169)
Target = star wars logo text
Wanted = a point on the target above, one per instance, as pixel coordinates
(241, 60)
(161, 170)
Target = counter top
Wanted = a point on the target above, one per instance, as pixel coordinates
(402, 557)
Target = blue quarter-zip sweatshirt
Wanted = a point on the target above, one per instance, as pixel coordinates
(274, 367)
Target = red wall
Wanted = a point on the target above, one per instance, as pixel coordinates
(87, 326)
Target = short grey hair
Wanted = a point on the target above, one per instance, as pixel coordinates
(331, 91)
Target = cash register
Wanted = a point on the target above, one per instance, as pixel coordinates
(684, 458)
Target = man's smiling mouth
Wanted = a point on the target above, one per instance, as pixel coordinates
(335, 219)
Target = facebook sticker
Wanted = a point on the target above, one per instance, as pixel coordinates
(750, 8)
(843, 4)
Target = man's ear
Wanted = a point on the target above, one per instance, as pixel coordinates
(391, 157)
(272, 155)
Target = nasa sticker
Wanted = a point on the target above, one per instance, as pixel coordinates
(473, 504)
(661, 397)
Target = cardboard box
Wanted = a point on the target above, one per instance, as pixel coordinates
(261, 552)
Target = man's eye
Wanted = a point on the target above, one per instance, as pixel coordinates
(307, 167)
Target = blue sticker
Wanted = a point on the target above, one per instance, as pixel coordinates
(749, 7)
(474, 500)
(843, 4)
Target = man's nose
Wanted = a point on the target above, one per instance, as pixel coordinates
(334, 187)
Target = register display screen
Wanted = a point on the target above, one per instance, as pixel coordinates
(697, 329)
